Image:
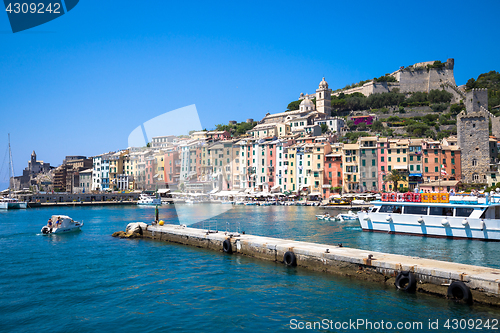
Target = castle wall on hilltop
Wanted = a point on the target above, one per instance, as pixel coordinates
(412, 79)
(424, 80)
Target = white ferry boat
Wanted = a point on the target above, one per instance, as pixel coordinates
(435, 215)
(145, 199)
(12, 203)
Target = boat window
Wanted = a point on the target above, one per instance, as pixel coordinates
(464, 211)
(390, 209)
(417, 210)
(441, 211)
(374, 209)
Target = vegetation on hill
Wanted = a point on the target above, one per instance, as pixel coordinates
(358, 101)
(490, 80)
(385, 78)
(237, 129)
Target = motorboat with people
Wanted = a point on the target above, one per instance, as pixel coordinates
(12, 203)
(466, 216)
(145, 199)
(349, 216)
(326, 217)
(59, 224)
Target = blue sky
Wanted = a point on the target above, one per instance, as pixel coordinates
(80, 84)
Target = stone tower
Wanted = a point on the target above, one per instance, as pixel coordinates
(323, 98)
(33, 160)
(473, 137)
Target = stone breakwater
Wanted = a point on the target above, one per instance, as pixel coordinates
(431, 276)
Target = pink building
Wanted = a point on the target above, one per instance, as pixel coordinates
(271, 163)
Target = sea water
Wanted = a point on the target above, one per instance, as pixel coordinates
(89, 281)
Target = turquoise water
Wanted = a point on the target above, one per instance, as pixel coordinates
(92, 282)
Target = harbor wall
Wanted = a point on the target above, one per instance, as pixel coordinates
(433, 276)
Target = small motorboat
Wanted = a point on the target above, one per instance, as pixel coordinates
(350, 216)
(326, 217)
(59, 224)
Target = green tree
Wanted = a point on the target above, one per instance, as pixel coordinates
(324, 128)
(293, 105)
(395, 177)
(377, 126)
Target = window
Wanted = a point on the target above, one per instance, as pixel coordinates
(436, 160)
(441, 211)
(452, 161)
(416, 210)
(399, 159)
(452, 171)
(436, 169)
(418, 167)
(389, 168)
(382, 159)
(389, 159)
(474, 162)
(373, 162)
(388, 151)
(397, 151)
(411, 167)
(411, 158)
(362, 151)
(390, 209)
(382, 150)
(426, 160)
(418, 158)
(382, 168)
(363, 163)
(465, 212)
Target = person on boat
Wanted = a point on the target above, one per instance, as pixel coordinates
(452, 192)
(58, 222)
(49, 223)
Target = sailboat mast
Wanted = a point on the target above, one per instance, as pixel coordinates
(11, 168)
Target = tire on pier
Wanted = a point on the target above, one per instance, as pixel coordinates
(289, 259)
(460, 292)
(226, 246)
(406, 281)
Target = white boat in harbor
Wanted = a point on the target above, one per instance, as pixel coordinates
(349, 216)
(145, 199)
(12, 203)
(59, 224)
(326, 217)
(435, 215)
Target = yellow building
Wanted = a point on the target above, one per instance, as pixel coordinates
(350, 155)
(397, 159)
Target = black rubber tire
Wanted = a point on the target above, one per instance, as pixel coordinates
(226, 246)
(406, 281)
(289, 259)
(460, 292)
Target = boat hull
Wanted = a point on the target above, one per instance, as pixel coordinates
(431, 226)
(18, 205)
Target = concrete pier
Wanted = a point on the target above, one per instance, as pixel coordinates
(433, 276)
